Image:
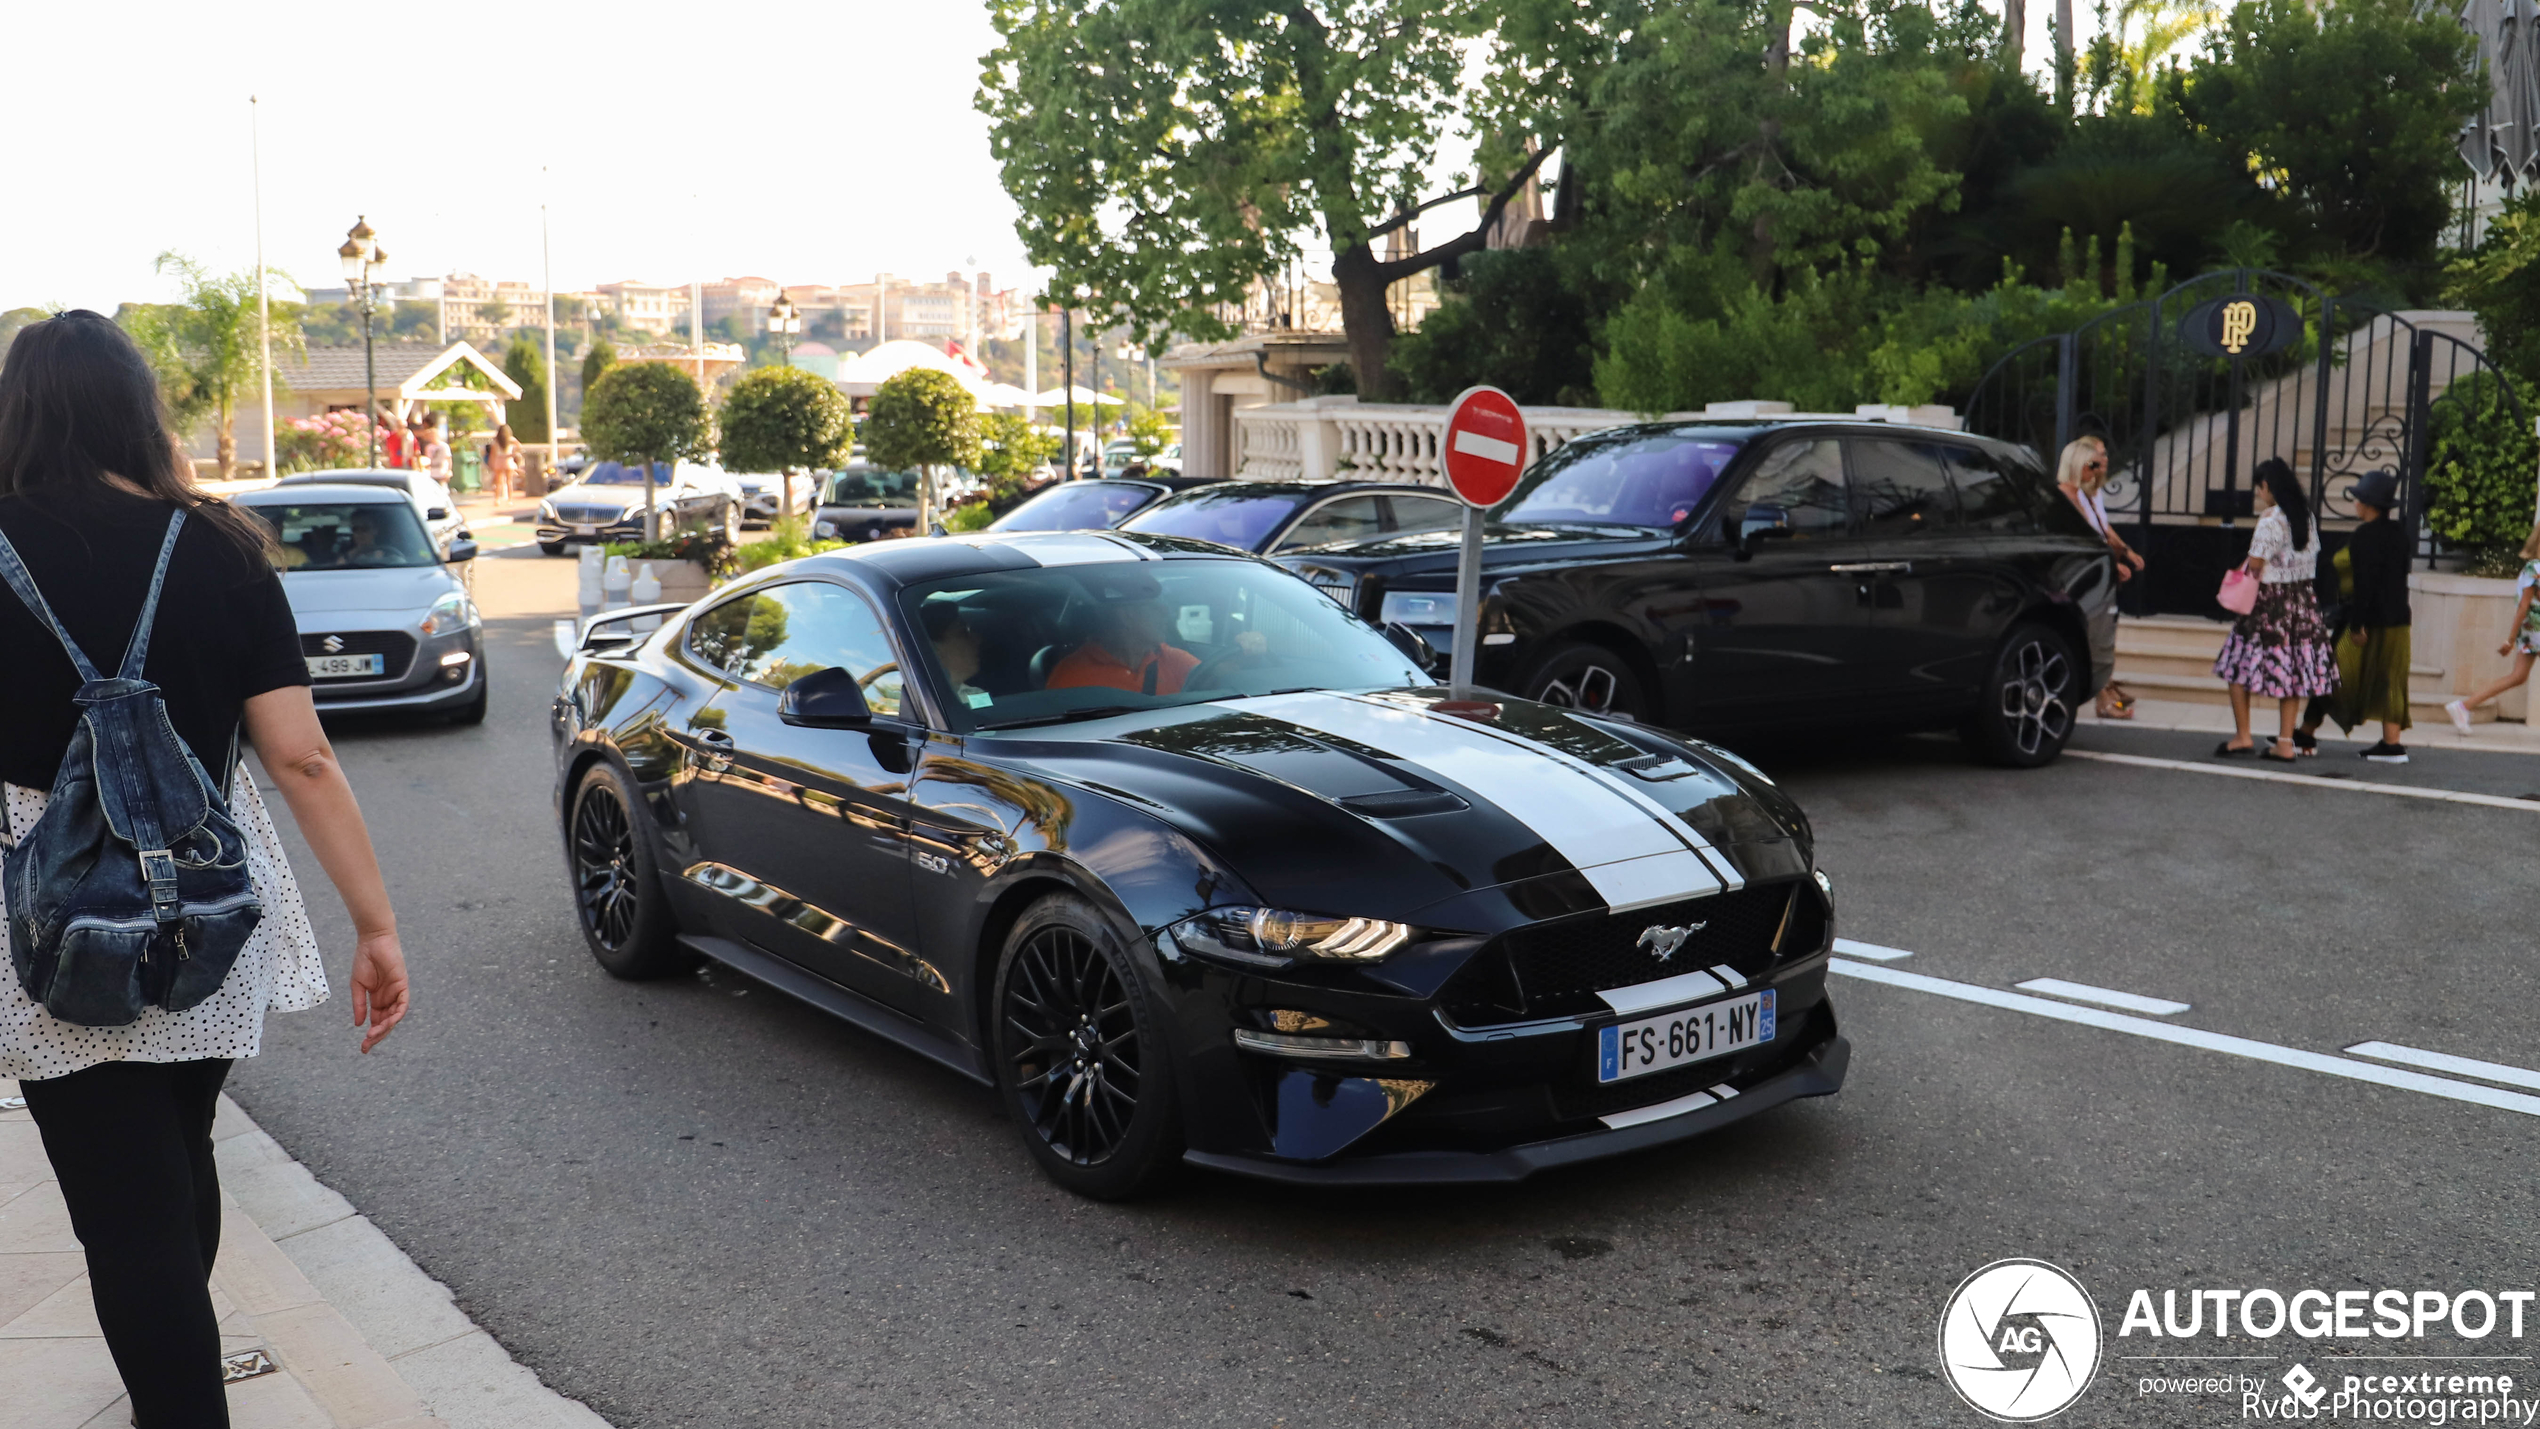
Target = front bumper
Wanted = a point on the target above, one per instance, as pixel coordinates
(554, 533)
(425, 686)
(1489, 1103)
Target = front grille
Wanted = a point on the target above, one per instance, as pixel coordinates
(1557, 968)
(590, 515)
(396, 645)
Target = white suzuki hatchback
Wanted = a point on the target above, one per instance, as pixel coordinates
(386, 625)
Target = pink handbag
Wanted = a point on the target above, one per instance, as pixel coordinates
(2239, 593)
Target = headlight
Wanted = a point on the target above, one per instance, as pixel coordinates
(1418, 607)
(546, 511)
(825, 530)
(450, 612)
(1273, 937)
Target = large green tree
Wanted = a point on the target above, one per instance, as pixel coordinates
(1168, 154)
(784, 419)
(207, 348)
(920, 421)
(648, 412)
(525, 365)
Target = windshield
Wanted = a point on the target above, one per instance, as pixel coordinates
(618, 473)
(1017, 648)
(872, 486)
(1076, 506)
(1651, 481)
(347, 536)
(1230, 518)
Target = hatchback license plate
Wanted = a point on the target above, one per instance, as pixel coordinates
(1692, 1034)
(332, 667)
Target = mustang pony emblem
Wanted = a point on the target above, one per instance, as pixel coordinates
(1664, 941)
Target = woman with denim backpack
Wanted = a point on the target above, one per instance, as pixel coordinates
(100, 523)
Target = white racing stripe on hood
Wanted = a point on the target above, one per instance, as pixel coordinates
(1634, 852)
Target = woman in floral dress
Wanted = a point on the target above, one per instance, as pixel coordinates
(2280, 650)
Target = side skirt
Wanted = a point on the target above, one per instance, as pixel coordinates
(883, 1022)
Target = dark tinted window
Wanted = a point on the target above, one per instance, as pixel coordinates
(1076, 506)
(1652, 481)
(1349, 518)
(778, 634)
(872, 486)
(615, 473)
(1425, 513)
(1226, 514)
(1992, 496)
(1901, 488)
(1804, 481)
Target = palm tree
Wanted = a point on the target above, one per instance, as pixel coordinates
(210, 340)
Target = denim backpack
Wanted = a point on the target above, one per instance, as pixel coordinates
(132, 890)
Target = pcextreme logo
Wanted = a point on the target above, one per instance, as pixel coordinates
(2019, 1341)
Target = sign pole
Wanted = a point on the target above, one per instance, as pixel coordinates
(1468, 605)
(1483, 449)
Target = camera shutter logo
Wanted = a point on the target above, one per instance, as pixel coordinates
(2019, 1341)
(2305, 1385)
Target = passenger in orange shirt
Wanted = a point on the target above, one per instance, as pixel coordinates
(1129, 653)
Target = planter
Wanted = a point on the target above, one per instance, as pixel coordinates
(2458, 623)
(681, 581)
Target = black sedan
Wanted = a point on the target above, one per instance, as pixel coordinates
(1273, 516)
(1091, 505)
(1727, 578)
(1190, 864)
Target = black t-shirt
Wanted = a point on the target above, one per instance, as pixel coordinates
(224, 632)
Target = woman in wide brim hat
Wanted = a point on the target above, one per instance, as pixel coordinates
(2373, 644)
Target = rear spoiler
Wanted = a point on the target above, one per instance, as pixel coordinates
(612, 629)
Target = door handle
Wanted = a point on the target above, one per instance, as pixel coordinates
(1857, 568)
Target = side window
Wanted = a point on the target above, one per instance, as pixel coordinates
(778, 634)
(1350, 518)
(1425, 513)
(1902, 489)
(1803, 481)
(1992, 496)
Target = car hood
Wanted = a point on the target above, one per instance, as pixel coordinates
(1379, 805)
(609, 495)
(406, 591)
(1502, 546)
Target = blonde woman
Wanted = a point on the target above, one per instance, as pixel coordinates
(502, 462)
(2082, 473)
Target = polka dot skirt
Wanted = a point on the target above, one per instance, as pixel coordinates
(279, 968)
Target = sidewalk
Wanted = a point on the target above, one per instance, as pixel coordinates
(2499, 737)
(324, 1322)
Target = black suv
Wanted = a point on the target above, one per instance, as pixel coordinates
(1733, 577)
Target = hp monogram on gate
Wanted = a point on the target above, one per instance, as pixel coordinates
(1664, 941)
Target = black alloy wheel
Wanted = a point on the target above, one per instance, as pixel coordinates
(2024, 713)
(1078, 1057)
(1590, 679)
(617, 892)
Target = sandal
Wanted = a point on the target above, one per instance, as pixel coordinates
(2109, 708)
(2124, 698)
(2306, 745)
(2269, 755)
(2225, 751)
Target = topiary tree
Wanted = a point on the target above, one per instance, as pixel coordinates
(1011, 450)
(599, 359)
(646, 412)
(523, 364)
(782, 418)
(923, 419)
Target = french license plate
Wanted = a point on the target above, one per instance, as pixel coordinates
(331, 667)
(584, 528)
(1692, 1034)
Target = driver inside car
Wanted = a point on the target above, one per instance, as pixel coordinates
(1127, 652)
(369, 550)
(956, 650)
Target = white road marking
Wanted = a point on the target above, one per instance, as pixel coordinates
(2250, 1048)
(2446, 1062)
(1869, 950)
(2105, 997)
(1487, 448)
(2312, 781)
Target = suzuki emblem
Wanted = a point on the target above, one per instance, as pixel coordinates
(332, 645)
(1664, 941)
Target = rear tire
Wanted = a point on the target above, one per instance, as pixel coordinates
(1590, 679)
(2024, 712)
(1081, 1061)
(617, 893)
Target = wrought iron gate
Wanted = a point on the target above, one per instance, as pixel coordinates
(2341, 387)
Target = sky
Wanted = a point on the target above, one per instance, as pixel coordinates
(808, 143)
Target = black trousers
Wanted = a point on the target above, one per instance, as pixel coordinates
(131, 1143)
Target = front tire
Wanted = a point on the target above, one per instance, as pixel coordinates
(1590, 679)
(732, 522)
(473, 712)
(1080, 1057)
(2024, 713)
(555, 550)
(617, 893)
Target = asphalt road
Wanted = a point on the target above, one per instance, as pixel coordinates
(700, 1203)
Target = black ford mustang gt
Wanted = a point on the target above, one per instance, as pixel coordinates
(1187, 861)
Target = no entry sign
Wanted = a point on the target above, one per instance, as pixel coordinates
(1484, 448)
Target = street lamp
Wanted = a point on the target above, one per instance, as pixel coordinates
(363, 258)
(784, 323)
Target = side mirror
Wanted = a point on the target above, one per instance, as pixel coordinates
(461, 551)
(824, 699)
(1414, 646)
(1760, 523)
(437, 513)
